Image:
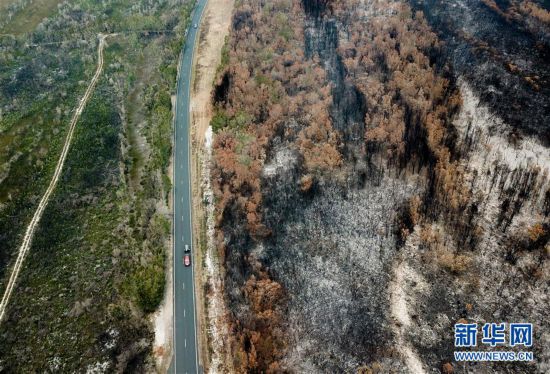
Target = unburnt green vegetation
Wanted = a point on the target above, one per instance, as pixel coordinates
(22, 16)
(96, 268)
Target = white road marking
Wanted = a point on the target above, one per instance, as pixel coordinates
(186, 95)
(184, 313)
(183, 284)
(185, 342)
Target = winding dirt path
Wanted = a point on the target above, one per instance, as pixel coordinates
(29, 233)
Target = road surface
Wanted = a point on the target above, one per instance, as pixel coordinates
(185, 359)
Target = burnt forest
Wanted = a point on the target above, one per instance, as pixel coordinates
(380, 173)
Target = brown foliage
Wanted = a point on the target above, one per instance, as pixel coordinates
(267, 84)
(264, 339)
(533, 10)
(438, 252)
(414, 209)
(270, 84)
(306, 182)
(526, 13)
(535, 232)
(447, 368)
(389, 57)
(493, 6)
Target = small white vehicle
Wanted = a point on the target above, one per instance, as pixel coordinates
(187, 249)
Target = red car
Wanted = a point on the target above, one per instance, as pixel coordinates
(187, 260)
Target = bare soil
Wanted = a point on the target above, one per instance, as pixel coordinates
(214, 29)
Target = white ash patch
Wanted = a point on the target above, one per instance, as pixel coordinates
(111, 342)
(488, 142)
(334, 259)
(491, 288)
(259, 251)
(217, 315)
(208, 138)
(284, 160)
(496, 166)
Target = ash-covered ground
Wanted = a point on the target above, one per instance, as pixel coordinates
(503, 277)
(333, 252)
(376, 267)
(356, 295)
(506, 61)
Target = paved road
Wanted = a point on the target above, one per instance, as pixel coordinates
(185, 337)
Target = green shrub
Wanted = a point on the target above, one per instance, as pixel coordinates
(149, 287)
(219, 120)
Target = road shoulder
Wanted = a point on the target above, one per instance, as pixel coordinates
(214, 28)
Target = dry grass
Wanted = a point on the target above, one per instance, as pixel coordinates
(28, 18)
(5, 3)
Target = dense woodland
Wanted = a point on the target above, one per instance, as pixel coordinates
(388, 64)
(96, 269)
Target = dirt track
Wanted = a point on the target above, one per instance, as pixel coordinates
(216, 27)
(29, 233)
